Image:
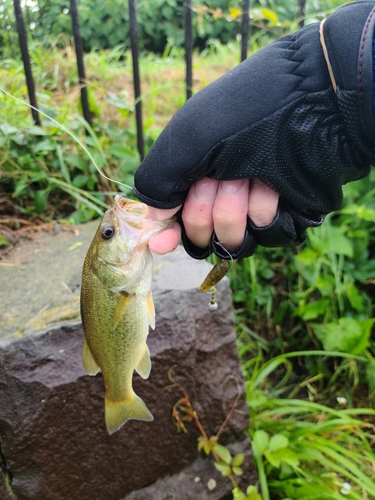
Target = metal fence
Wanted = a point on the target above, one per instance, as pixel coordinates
(189, 43)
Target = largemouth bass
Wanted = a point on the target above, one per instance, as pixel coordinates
(117, 307)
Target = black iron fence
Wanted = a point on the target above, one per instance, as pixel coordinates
(189, 43)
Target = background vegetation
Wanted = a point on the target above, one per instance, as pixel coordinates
(304, 316)
(105, 23)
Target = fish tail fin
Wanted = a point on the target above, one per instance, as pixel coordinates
(117, 413)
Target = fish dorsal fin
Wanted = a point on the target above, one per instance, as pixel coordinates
(121, 307)
(89, 363)
(144, 365)
(150, 310)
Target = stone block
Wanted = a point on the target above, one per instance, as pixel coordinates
(54, 444)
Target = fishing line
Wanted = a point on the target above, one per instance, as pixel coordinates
(227, 252)
(75, 138)
(217, 242)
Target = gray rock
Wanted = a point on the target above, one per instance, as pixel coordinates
(53, 436)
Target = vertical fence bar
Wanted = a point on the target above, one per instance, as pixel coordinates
(244, 28)
(301, 13)
(136, 76)
(26, 60)
(79, 56)
(188, 47)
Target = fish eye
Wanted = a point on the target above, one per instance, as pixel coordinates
(108, 232)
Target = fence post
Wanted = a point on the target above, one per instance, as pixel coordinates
(136, 76)
(301, 13)
(188, 48)
(79, 56)
(26, 61)
(244, 28)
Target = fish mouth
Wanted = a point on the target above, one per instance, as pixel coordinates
(134, 220)
(130, 214)
(130, 207)
(133, 210)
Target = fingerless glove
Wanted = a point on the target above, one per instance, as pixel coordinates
(277, 117)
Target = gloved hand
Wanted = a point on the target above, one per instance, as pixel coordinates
(276, 117)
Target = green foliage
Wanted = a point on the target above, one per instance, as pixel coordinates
(288, 303)
(321, 292)
(303, 449)
(52, 175)
(227, 464)
(105, 24)
(251, 494)
(345, 335)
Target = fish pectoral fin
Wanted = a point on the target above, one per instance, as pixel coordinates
(144, 366)
(117, 413)
(121, 307)
(89, 363)
(150, 310)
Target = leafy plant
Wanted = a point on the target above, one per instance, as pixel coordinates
(105, 24)
(302, 447)
(35, 169)
(225, 463)
(317, 296)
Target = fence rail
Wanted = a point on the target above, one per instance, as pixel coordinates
(189, 43)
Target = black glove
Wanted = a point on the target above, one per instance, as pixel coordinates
(276, 117)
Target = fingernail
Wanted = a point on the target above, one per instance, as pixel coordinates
(206, 189)
(231, 187)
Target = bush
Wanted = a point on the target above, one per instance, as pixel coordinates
(105, 23)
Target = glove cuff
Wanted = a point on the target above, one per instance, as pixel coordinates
(348, 35)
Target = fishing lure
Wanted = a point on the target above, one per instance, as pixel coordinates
(216, 274)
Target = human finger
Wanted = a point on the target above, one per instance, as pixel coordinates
(167, 240)
(197, 212)
(263, 203)
(230, 212)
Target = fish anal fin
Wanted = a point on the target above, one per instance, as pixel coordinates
(150, 310)
(117, 413)
(89, 363)
(144, 366)
(121, 307)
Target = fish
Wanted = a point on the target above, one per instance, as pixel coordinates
(117, 307)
